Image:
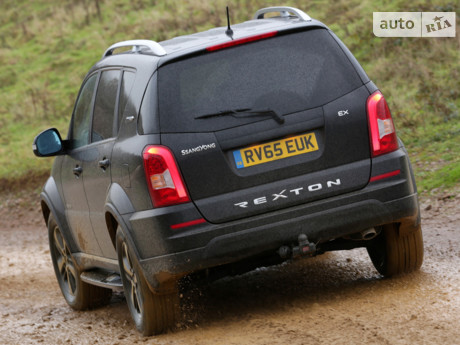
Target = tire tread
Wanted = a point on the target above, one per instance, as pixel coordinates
(394, 253)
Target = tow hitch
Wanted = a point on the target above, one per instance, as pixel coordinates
(305, 248)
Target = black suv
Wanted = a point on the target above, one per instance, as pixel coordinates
(232, 148)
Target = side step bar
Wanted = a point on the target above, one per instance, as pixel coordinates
(109, 280)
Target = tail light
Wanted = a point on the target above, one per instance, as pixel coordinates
(381, 128)
(164, 180)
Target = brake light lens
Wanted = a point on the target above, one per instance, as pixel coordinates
(241, 41)
(164, 180)
(381, 127)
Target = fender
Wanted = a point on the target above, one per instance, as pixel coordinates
(51, 197)
(119, 206)
(118, 199)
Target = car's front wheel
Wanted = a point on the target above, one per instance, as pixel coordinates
(78, 294)
(394, 252)
(152, 312)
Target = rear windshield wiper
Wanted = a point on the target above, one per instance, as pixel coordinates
(245, 112)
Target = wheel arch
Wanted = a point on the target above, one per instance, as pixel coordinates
(117, 204)
(118, 209)
(112, 225)
(52, 204)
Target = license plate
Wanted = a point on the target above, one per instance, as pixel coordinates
(275, 150)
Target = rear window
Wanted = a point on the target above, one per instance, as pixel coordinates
(287, 74)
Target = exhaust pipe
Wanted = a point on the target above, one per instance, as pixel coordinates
(365, 235)
(368, 234)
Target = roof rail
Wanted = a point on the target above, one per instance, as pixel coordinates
(284, 12)
(155, 47)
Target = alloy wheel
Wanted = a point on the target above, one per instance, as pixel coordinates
(65, 264)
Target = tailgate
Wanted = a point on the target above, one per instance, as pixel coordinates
(330, 157)
(310, 143)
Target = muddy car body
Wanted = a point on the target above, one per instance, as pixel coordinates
(219, 148)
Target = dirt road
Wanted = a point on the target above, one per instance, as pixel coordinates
(336, 298)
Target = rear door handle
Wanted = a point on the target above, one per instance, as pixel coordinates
(77, 171)
(103, 164)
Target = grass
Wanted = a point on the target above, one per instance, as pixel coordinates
(47, 46)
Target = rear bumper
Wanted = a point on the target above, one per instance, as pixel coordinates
(180, 251)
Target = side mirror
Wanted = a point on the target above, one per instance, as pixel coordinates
(48, 143)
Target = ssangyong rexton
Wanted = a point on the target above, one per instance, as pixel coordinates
(236, 145)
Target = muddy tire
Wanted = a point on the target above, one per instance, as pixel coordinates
(78, 294)
(153, 313)
(394, 253)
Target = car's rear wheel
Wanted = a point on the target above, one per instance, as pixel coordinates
(78, 294)
(152, 312)
(394, 252)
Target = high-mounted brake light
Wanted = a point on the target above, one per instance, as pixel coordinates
(381, 128)
(164, 180)
(241, 41)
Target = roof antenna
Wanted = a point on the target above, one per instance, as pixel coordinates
(229, 31)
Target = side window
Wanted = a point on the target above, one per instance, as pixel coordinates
(81, 118)
(104, 106)
(125, 90)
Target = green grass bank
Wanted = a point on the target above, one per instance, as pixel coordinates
(47, 46)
